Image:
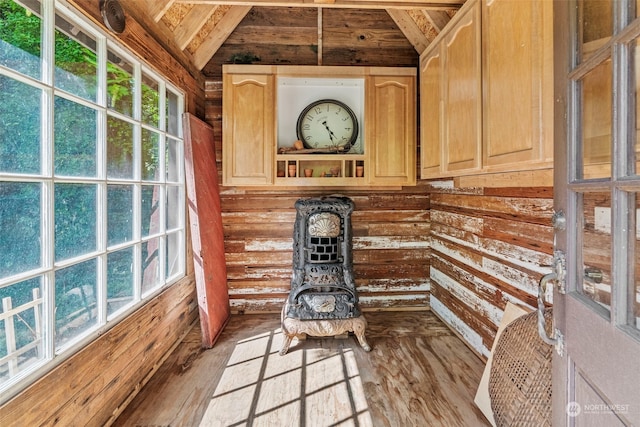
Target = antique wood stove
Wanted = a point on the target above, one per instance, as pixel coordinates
(323, 300)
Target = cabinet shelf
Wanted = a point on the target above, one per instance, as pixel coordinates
(325, 169)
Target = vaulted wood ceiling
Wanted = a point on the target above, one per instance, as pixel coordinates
(195, 30)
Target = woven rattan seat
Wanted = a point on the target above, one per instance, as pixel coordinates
(520, 379)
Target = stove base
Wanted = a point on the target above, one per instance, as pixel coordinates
(323, 328)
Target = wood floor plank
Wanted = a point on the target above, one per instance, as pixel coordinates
(418, 373)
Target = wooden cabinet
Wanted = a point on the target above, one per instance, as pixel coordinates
(518, 83)
(487, 91)
(248, 127)
(391, 129)
(431, 113)
(462, 92)
(251, 156)
(451, 115)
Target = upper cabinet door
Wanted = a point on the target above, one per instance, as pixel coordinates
(248, 135)
(430, 113)
(391, 129)
(518, 82)
(462, 92)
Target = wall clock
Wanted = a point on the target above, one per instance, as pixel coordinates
(327, 124)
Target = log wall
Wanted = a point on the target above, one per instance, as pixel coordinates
(489, 246)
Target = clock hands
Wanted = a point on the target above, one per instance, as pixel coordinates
(331, 134)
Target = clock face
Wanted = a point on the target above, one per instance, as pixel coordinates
(327, 124)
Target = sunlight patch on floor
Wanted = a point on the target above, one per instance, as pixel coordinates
(314, 386)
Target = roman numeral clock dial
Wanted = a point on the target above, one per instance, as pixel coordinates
(327, 124)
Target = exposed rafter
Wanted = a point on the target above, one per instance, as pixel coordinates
(358, 4)
(196, 29)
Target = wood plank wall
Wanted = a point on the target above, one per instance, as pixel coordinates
(390, 240)
(489, 246)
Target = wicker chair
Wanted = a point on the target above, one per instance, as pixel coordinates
(520, 378)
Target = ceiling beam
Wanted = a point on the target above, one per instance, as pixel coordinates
(221, 31)
(192, 23)
(438, 18)
(157, 8)
(410, 29)
(354, 4)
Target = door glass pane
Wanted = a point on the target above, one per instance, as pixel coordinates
(596, 248)
(19, 138)
(20, 44)
(634, 148)
(596, 122)
(596, 23)
(75, 60)
(634, 291)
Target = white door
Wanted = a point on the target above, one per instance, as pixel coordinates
(596, 378)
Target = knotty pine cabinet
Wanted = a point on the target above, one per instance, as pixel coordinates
(250, 149)
(490, 73)
(451, 103)
(248, 127)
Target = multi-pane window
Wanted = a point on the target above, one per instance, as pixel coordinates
(92, 195)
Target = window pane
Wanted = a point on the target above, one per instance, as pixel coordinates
(19, 137)
(596, 248)
(20, 33)
(119, 279)
(174, 254)
(596, 122)
(150, 155)
(25, 326)
(76, 308)
(150, 101)
(151, 274)
(173, 113)
(172, 160)
(120, 149)
(596, 23)
(175, 207)
(75, 129)
(75, 60)
(120, 84)
(20, 224)
(119, 214)
(151, 200)
(75, 220)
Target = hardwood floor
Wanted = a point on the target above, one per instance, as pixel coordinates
(417, 374)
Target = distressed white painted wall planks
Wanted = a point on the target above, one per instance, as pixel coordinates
(488, 246)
